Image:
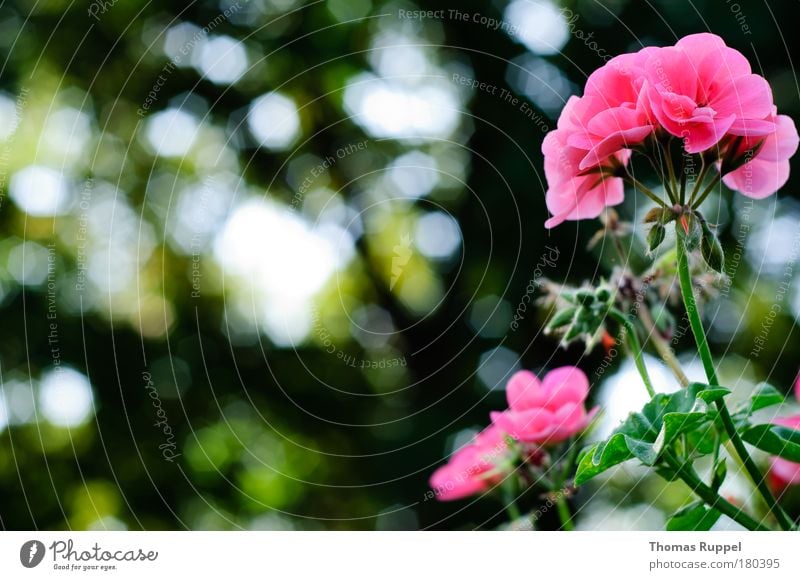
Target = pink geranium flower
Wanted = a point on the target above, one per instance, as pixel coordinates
(701, 90)
(768, 170)
(548, 411)
(782, 472)
(473, 468)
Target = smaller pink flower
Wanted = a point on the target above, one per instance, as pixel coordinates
(782, 472)
(545, 412)
(768, 170)
(473, 468)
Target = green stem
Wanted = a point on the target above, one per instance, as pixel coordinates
(561, 501)
(635, 347)
(708, 364)
(510, 504)
(714, 182)
(663, 349)
(513, 511)
(673, 182)
(644, 189)
(563, 512)
(712, 498)
(699, 182)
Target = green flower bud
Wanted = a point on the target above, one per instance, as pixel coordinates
(656, 235)
(712, 249)
(562, 318)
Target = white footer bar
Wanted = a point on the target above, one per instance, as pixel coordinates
(390, 555)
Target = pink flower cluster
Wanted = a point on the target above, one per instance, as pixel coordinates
(699, 90)
(540, 413)
(782, 472)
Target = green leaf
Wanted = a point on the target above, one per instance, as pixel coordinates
(695, 517)
(646, 434)
(775, 439)
(675, 424)
(713, 394)
(602, 456)
(764, 395)
(644, 451)
(702, 440)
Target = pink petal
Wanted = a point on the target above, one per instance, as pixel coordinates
(616, 82)
(569, 420)
(782, 144)
(746, 97)
(452, 481)
(667, 70)
(578, 200)
(713, 61)
(752, 127)
(797, 388)
(698, 137)
(785, 472)
(792, 421)
(530, 426)
(524, 390)
(758, 179)
(613, 144)
(565, 385)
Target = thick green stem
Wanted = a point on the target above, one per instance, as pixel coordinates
(712, 498)
(708, 364)
(635, 347)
